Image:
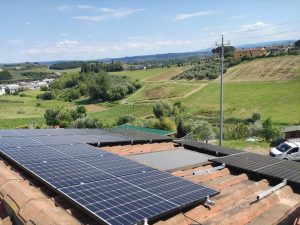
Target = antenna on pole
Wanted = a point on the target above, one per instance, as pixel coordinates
(221, 90)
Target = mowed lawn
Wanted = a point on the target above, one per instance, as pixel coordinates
(157, 74)
(280, 101)
(167, 90)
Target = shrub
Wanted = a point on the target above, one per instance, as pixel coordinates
(165, 123)
(125, 119)
(79, 112)
(236, 132)
(162, 109)
(48, 95)
(269, 132)
(181, 129)
(44, 88)
(22, 95)
(87, 123)
(204, 131)
(38, 104)
(21, 111)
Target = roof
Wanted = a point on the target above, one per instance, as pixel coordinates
(249, 49)
(31, 202)
(291, 129)
(146, 129)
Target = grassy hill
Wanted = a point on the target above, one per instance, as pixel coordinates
(281, 68)
(157, 74)
(269, 86)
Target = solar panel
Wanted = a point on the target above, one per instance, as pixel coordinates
(211, 149)
(112, 189)
(263, 165)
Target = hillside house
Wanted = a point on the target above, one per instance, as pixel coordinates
(250, 52)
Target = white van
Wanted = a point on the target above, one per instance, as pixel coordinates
(287, 150)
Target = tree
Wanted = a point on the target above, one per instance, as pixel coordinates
(297, 43)
(204, 131)
(269, 132)
(79, 112)
(5, 75)
(99, 86)
(51, 116)
(162, 109)
(228, 51)
(125, 119)
(181, 129)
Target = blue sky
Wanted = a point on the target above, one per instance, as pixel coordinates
(35, 30)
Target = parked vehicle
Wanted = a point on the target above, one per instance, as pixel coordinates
(289, 150)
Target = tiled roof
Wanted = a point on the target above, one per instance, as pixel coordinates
(28, 201)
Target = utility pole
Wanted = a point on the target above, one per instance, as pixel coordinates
(221, 91)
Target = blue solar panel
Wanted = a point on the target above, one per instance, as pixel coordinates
(112, 189)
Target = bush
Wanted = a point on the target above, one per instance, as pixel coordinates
(22, 95)
(165, 123)
(269, 132)
(79, 112)
(87, 123)
(44, 88)
(204, 131)
(125, 119)
(181, 129)
(38, 104)
(236, 132)
(48, 95)
(162, 109)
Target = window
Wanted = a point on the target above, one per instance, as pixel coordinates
(294, 150)
(283, 147)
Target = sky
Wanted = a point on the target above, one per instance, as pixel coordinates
(35, 30)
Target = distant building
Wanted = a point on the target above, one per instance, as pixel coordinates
(250, 52)
(292, 132)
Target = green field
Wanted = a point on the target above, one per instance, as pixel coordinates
(282, 68)
(12, 106)
(16, 74)
(109, 116)
(167, 90)
(157, 74)
(280, 101)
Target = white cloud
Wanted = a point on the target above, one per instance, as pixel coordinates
(106, 13)
(63, 8)
(16, 42)
(194, 14)
(84, 6)
(235, 17)
(65, 34)
(254, 27)
(67, 43)
(90, 18)
(27, 23)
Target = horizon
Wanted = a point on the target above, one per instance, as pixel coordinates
(73, 30)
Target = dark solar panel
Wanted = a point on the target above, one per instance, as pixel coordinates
(263, 165)
(111, 188)
(208, 148)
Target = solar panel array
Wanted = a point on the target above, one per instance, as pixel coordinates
(208, 148)
(112, 189)
(264, 165)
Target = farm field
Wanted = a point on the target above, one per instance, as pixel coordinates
(281, 68)
(163, 90)
(109, 116)
(157, 74)
(16, 74)
(278, 100)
